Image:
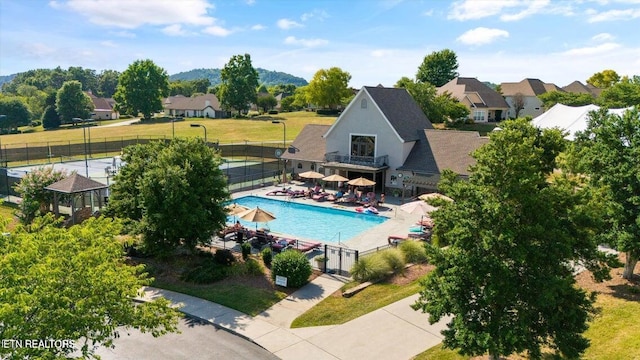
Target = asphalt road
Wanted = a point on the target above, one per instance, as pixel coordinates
(197, 340)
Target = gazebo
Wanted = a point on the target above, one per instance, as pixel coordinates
(73, 185)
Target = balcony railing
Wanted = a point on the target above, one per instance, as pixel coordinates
(378, 161)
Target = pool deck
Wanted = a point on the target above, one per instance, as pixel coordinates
(398, 224)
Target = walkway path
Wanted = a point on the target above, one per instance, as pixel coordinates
(392, 332)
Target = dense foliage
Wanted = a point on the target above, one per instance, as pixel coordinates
(293, 265)
(72, 284)
(36, 201)
(608, 152)
(329, 87)
(141, 88)
(438, 108)
(173, 194)
(72, 102)
(438, 68)
(15, 113)
(239, 83)
(267, 77)
(550, 98)
(507, 276)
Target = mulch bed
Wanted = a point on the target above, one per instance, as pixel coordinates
(617, 286)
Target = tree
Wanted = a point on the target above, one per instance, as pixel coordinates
(267, 102)
(35, 199)
(518, 103)
(328, 87)
(608, 152)
(180, 87)
(72, 103)
(604, 79)
(72, 284)
(141, 88)
(551, 98)
(87, 77)
(108, 83)
(506, 276)
(239, 83)
(175, 193)
(438, 68)
(622, 94)
(50, 118)
(438, 108)
(15, 111)
(201, 85)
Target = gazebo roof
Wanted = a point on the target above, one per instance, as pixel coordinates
(74, 184)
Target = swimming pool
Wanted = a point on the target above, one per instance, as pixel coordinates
(308, 221)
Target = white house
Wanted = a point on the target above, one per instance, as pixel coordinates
(527, 90)
(206, 105)
(484, 103)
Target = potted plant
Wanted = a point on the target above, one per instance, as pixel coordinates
(320, 262)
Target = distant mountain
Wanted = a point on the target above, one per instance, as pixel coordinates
(266, 77)
(6, 79)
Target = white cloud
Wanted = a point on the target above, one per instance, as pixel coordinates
(108, 43)
(123, 33)
(134, 13)
(287, 24)
(506, 10)
(37, 49)
(217, 31)
(292, 40)
(613, 15)
(381, 53)
(482, 36)
(602, 37)
(54, 4)
(318, 14)
(174, 30)
(258, 27)
(473, 9)
(428, 13)
(250, 2)
(533, 8)
(593, 50)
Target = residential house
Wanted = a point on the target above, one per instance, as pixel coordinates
(383, 135)
(580, 88)
(526, 91)
(484, 103)
(103, 108)
(206, 105)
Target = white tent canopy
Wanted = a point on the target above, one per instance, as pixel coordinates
(569, 118)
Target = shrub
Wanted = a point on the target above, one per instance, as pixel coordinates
(293, 265)
(370, 268)
(205, 273)
(246, 250)
(267, 256)
(394, 258)
(328, 112)
(224, 257)
(35, 123)
(273, 112)
(414, 251)
(253, 267)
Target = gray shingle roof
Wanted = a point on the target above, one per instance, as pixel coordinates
(74, 184)
(403, 113)
(309, 145)
(444, 149)
(527, 87)
(180, 102)
(490, 97)
(580, 88)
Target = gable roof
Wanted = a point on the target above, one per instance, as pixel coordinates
(461, 86)
(580, 88)
(180, 102)
(527, 87)
(74, 184)
(310, 144)
(444, 149)
(100, 104)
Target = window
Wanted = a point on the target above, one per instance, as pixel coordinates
(363, 145)
(363, 103)
(313, 166)
(478, 115)
(299, 165)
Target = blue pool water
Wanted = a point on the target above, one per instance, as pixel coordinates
(308, 221)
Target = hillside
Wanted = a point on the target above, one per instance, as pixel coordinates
(6, 78)
(267, 77)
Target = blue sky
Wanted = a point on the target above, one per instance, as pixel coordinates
(377, 42)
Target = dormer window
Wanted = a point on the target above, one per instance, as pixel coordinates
(363, 103)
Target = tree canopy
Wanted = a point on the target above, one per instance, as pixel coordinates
(328, 87)
(239, 83)
(608, 152)
(141, 88)
(35, 199)
(72, 102)
(438, 108)
(438, 68)
(267, 102)
(622, 94)
(550, 98)
(72, 284)
(15, 112)
(173, 194)
(604, 79)
(513, 235)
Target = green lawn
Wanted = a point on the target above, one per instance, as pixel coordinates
(225, 130)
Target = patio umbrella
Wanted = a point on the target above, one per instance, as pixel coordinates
(235, 209)
(361, 182)
(335, 177)
(256, 215)
(427, 197)
(311, 175)
(418, 207)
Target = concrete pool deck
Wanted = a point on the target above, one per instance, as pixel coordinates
(398, 224)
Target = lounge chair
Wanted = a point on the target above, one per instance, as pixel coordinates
(394, 240)
(282, 244)
(320, 197)
(307, 246)
(280, 192)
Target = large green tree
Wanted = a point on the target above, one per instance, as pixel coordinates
(15, 111)
(239, 83)
(141, 88)
(438, 108)
(438, 68)
(622, 94)
(604, 79)
(108, 83)
(72, 284)
(550, 98)
(174, 192)
(328, 87)
(266, 102)
(507, 276)
(35, 199)
(72, 102)
(608, 152)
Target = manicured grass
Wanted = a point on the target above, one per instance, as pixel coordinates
(246, 299)
(338, 310)
(225, 130)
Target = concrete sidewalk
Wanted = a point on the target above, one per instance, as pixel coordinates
(392, 332)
